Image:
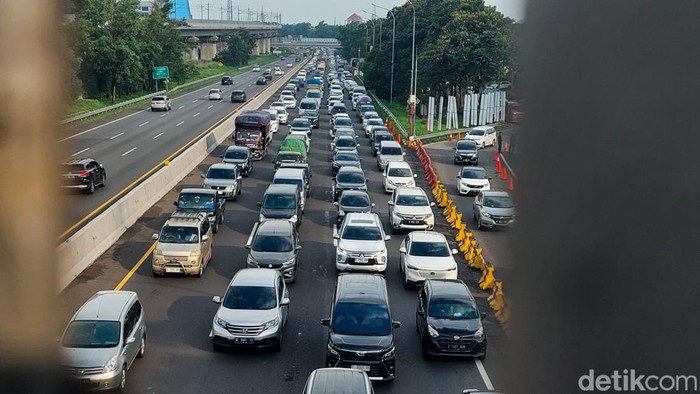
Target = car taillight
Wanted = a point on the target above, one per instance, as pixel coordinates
(84, 173)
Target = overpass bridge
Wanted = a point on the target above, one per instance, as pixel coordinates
(208, 37)
(286, 42)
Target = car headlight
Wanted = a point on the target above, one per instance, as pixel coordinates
(220, 322)
(332, 351)
(433, 332)
(383, 256)
(454, 267)
(252, 261)
(389, 354)
(341, 251)
(479, 334)
(288, 263)
(293, 219)
(485, 214)
(196, 253)
(158, 252)
(389, 181)
(411, 266)
(272, 323)
(111, 365)
(229, 188)
(341, 212)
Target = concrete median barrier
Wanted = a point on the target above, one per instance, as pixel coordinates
(79, 251)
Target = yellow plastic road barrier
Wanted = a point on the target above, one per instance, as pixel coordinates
(497, 299)
(436, 190)
(461, 233)
(452, 215)
(458, 221)
(503, 316)
(444, 201)
(487, 280)
(471, 252)
(478, 261)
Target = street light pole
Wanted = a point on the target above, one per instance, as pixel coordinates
(374, 25)
(412, 97)
(393, 41)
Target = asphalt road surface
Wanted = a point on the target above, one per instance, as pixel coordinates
(134, 143)
(179, 310)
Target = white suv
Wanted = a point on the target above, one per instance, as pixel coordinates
(397, 173)
(361, 243)
(410, 209)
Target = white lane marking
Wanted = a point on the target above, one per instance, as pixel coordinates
(195, 115)
(181, 107)
(194, 101)
(97, 127)
(129, 151)
(482, 372)
(180, 123)
(327, 217)
(77, 153)
(145, 123)
(209, 107)
(164, 114)
(158, 135)
(115, 136)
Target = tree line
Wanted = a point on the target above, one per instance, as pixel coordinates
(460, 44)
(321, 30)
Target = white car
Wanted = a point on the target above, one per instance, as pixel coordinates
(410, 209)
(253, 311)
(397, 173)
(371, 124)
(274, 120)
(289, 65)
(159, 103)
(282, 113)
(256, 69)
(483, 136)
(426, 255)
(289, 101)
(279, 72)
(367, 116)
(472, 180)
(216, 94)
(339, 115)
(360, 243)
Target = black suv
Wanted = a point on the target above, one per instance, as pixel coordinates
(448, 320)
(240, 156)
(267, 75)
(360, 329)
(203, 200)
(226, 80)
(261, 81)
(466, 152)
(274, 243)
(238, 96)
(348, 178)
(83, 174)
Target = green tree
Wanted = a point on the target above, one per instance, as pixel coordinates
(239, 47)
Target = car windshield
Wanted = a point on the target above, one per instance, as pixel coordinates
(272, 243)
(221, 173)
(466, 145)
(433, 249)
(280, 201)
(346, 157)
(375, 122)
(250, 297)
(355, 318)
(288, 155)
(287, 181)
(343, 122)
(351, 177)
(476, 132)
(400, 172)
(391, 151)
(345, 143)
(412, 201)
(382, 137)
(238, 92)
(73, 168)
(236, 154)
(179, 235)
(470, 173)
(362, 233)
(308, 105)
(498, 202)
(92, 334)
(452, 309)
(354, 200)
(213, 91)
(158, 98)
(248, 135)
(313, 94)
(311, 113)
(195, 201)
(302, 123)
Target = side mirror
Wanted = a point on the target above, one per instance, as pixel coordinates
(202, 176)
(335, 203)
(298, 247)
(130, 340)
(154, 236)
(336, 236)
(175, 203)
(216, 300)
(390, 203)
(415, 175)
(396, 323)
(373, 205)
(402, 249)
(454, 148)
(205, 238)
(432, 204)
(404, 153)
(387, 237)
(490, 178)
(325, 322)
(358, 145)
(421, 313)
(222, 156)
(482, 315)
(455, 251)
(258, 204)
(247, 246)
(239, 177)
(285, 301)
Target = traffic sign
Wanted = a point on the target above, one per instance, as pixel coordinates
(221, 64)
(161, 72)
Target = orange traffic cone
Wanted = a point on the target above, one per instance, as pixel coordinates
(495, 155)
(505, 148)
(459, 135)
(504, 175)
(450, 137)
(498, 165)
(398, 138)
(510, 184)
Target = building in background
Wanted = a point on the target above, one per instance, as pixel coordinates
(146, 6)
(354, 18)
(180, 10)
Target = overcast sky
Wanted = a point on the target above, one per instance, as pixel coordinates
(314, 11)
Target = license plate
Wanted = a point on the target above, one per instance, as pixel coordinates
(361, 259)
(412, 221)
(173, 270)
(360, 367)
(244, 341)
(501, 221)
(457, 347)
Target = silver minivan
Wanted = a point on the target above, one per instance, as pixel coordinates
(388, 151)
(338, 380)
(103, 338)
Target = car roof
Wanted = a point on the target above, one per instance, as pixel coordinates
(280, 188)
(483, 128)
(401, 164)
(350, 169)
(410, 190)
(390, 143)
(275, 226)
(427, 236)
(263, 277)
(237, 147)
(186, 219)
(289, 172)
(105, 305)
(346, 380)
(227, 166)
(353, 193)
(198, 190)
(448, 288)
(362, 219)
(495, 193)
(367, 287)
(238, 91)
(83, 161)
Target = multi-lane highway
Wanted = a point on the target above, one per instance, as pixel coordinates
(179, 311)
(134, 143)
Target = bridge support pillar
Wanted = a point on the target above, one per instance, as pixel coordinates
(190, 54)
(256, 48)
(208, 50)
(267, 45)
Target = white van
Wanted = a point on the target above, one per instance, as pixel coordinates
(389, 151)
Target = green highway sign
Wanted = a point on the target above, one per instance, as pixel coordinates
(161, 72)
